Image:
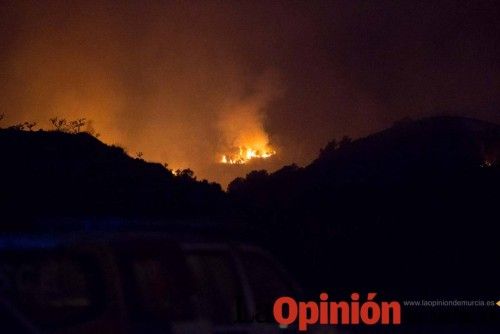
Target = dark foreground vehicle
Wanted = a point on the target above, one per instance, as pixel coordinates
(137, 283)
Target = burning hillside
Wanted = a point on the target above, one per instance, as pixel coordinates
(244, 154)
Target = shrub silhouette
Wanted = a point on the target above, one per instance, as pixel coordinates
(89, 128)
(186, 174)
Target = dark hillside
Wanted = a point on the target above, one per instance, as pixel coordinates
(411, 209)
(56, 174)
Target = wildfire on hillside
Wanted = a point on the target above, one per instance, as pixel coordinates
(244, 154)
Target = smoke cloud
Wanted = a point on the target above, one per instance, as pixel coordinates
(156, 79)
(242, 120)
(186, 82)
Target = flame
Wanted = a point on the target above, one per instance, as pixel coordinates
(244, 154)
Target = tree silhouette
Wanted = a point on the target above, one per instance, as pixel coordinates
(59, 124)
(329, 148)
(346, 140)
(30, 125)
(77, 125)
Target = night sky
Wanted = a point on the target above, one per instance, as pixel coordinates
(184, 82)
